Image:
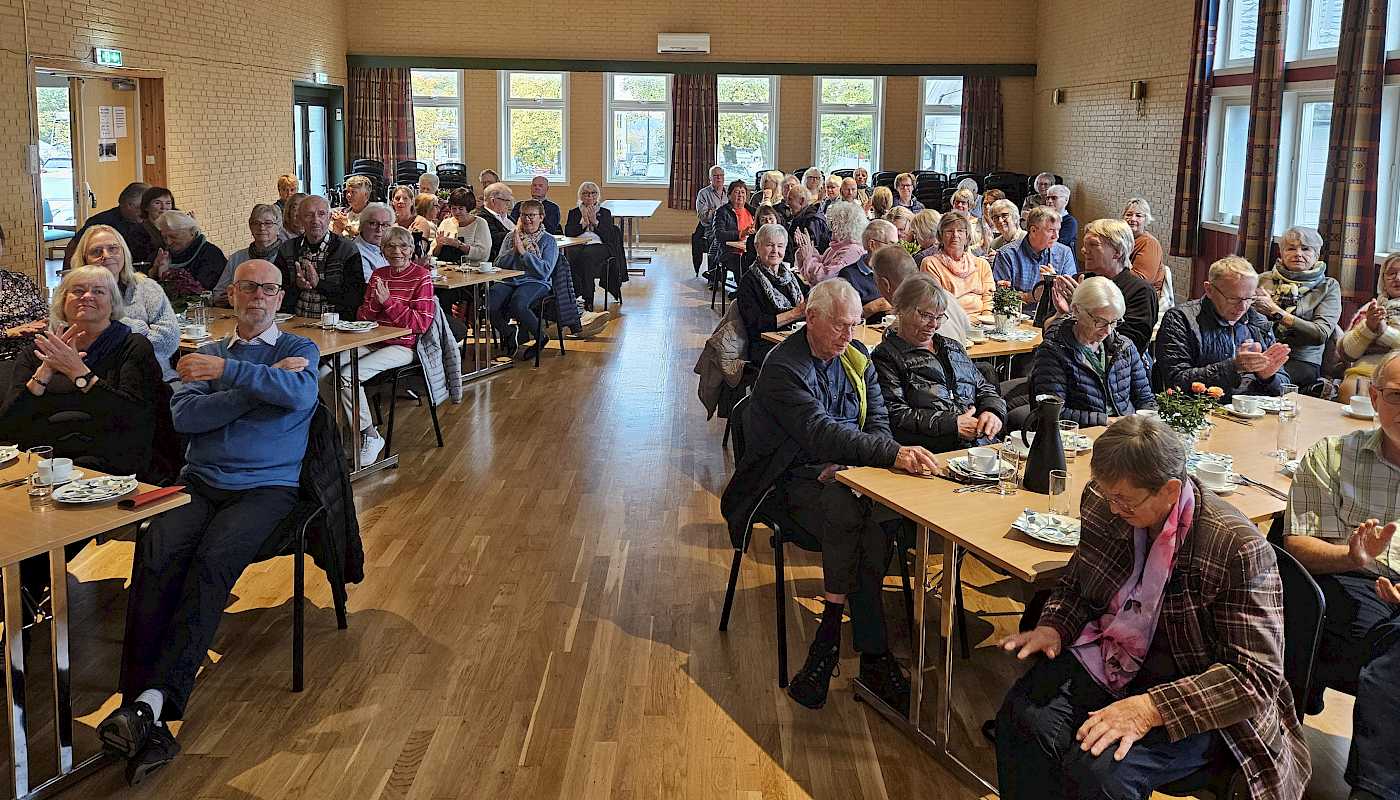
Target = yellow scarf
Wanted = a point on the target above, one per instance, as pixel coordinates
(854, 362)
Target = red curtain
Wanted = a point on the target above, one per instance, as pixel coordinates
(381, 116)
(695, 141)
(1265, 121)
(980, 136)
(1347, 221)
(1191, 163)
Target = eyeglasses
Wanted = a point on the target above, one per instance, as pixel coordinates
(397, 246)
(264, 223)
(1391, 396)
(102, 251)
(882, 242)
(1103, 324)
(1118, 503)
(268, 289)
(532, 215)
(931, 319)
(1225, 298)
(373, 223)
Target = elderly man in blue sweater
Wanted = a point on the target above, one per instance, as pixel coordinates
(245, 408)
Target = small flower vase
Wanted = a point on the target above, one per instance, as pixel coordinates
(1188, 440)
(1002, 323)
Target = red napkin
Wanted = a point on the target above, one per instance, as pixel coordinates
(138, 500)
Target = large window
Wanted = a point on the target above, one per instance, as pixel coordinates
(1229, 132)
(940, 124)
(639, 128)
(1314, 29)
(437, 115)
(747, 124)
(1308, 118)
(847, 129)
(534, 125)
(1234, 45)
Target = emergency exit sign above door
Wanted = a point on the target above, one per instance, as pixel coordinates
(107, 57)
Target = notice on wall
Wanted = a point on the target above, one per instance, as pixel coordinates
(119, 122)
(107, 150)
(104, 123)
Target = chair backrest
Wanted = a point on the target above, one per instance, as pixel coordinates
(884, 178)
(1303, 609)
(451, 165)
(844, 173)
(48, 212)
(737, 419)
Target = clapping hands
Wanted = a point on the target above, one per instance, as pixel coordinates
(1250, 357)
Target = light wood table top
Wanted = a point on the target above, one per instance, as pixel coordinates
(32, 531)
(569, 241)
(873, 335)
(328, 342)
(870, 335)
(981, 521)
(632, 208)
(456, 279)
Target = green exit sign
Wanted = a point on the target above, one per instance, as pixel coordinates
(107, 56)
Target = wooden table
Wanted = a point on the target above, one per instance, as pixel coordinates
(331, 344)
(872, 335)
(482, 341)
(980, 523)
(569, 241)
(45, 529)
(632, 212)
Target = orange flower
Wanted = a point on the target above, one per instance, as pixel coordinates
(1198, 387)
(1171, 391)
(1216, 392)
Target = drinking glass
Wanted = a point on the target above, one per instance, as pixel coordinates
(1059, 492)
(194, 313)
(32, 457)
(1069, 431)
(1009, 475)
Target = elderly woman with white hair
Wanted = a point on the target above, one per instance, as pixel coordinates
(187, 249)
(265, 225)
(1040, 185)
(967, 277)
(846, 222)
(966, 201)
(770, 189)
(814, 180)
(770, 296)
(1105, 251)
(346, 221)
(1147, 255)
(589, 263)
(904, 193)
(1097, 371)
(1374, 332)
(1005, 222)
(1302, 301)
(145, 308)
(936, 396)
(833, 191)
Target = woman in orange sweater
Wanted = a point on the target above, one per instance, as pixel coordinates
(968, 278)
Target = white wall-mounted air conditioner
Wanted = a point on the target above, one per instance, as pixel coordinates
(682, 42)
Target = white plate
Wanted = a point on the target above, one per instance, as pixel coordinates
(280, 318)
(1062, 532)
(1193, 459)
(960, 464)
(1230, 408)
(1223, 490)
(1347, 410)
(8, 453)
(95, 490)
(72, 476)
(361, 326)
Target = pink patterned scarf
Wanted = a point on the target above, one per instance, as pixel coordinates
(1113, 647)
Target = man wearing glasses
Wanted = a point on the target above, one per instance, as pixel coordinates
(245, 407)
(878, 235)
(321, 270)
(1220, 340)
(1342, 513)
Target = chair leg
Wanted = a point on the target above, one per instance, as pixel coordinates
(729, 592)
(393, 412)
(780, 587)
(900, 554)
(959, 610)
(561, 339)
(724, 442)
(338, 597)
(539, 336)
(298, 611)
(432, 409)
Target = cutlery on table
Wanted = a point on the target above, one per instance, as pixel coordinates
(15, 482)
(1248, 481)
(1233, 418)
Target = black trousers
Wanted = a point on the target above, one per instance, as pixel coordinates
(587, 264)
(1038, 757)
(1301, 373)
(185, 567)
(699, 245)
(1360, 653)
(857, 537)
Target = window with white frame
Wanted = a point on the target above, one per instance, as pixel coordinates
(1307, 126)
(748, 124)
(437, 115)
(846, 132)
(534, 125)
(940, 124)
(1228, 137)
(639, 128)
(1234, 43)
(1314, 29)
(1388, 173)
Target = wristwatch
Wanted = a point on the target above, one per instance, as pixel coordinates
(1277, 316)
(84, 381)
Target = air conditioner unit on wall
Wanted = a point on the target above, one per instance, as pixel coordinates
(682, 42)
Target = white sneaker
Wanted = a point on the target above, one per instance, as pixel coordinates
(371, 444)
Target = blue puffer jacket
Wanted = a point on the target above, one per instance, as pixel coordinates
(1059, 368)
(1195, 345)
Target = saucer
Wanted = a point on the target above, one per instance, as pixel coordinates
(1230, 409)
(72, 476)
(1354, 415)
(1223, 490)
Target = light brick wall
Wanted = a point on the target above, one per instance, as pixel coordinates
(1107, 146)
(228, 70)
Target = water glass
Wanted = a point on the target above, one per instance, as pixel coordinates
(195, 314)
(32, 457)
(1009, 476)
(1059, 492)
(1286, 445)
(1288, 399)
(1069, 431)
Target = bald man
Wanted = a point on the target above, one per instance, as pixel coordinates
(246, 408)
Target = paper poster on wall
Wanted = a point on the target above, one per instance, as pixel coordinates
(107, 150)
(119, 122)
(104, 122)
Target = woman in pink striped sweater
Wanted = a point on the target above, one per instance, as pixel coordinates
(399, 295)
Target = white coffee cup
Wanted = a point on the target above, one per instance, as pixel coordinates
(1246, 404)
(53, 470)
(977, 334)
(330, 319)
(486, 266)
(982, 459)
(196, 331)
(1147, 412)
(1361, 404)
(1213, 475)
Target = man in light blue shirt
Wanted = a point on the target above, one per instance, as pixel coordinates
(707, 202)
(1039, 254)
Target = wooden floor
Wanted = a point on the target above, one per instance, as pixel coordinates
(539, 613)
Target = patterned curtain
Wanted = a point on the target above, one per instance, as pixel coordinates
(1191, 164)
(381, 116)
(695, 110)
(1265, 120)
(980, 136)
(1348, 218)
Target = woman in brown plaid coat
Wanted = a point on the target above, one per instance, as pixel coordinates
(1164, 643)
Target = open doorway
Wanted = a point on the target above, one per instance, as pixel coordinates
(58, 192)
(318, 131)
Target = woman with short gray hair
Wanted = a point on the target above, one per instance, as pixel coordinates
(1087, 363)
(770, 295)
(265, 224)
(847, 222)
(1147, 257)
(935, 395)
(185, 248)
(1302, 301)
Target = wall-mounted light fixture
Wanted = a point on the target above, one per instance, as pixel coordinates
(1057, 96)
(1137, 90)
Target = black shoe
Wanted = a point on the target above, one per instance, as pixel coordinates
(883, 676)
(125, 731)
(160, 750)
(510, 340)
(809, 686)
(527, 353)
